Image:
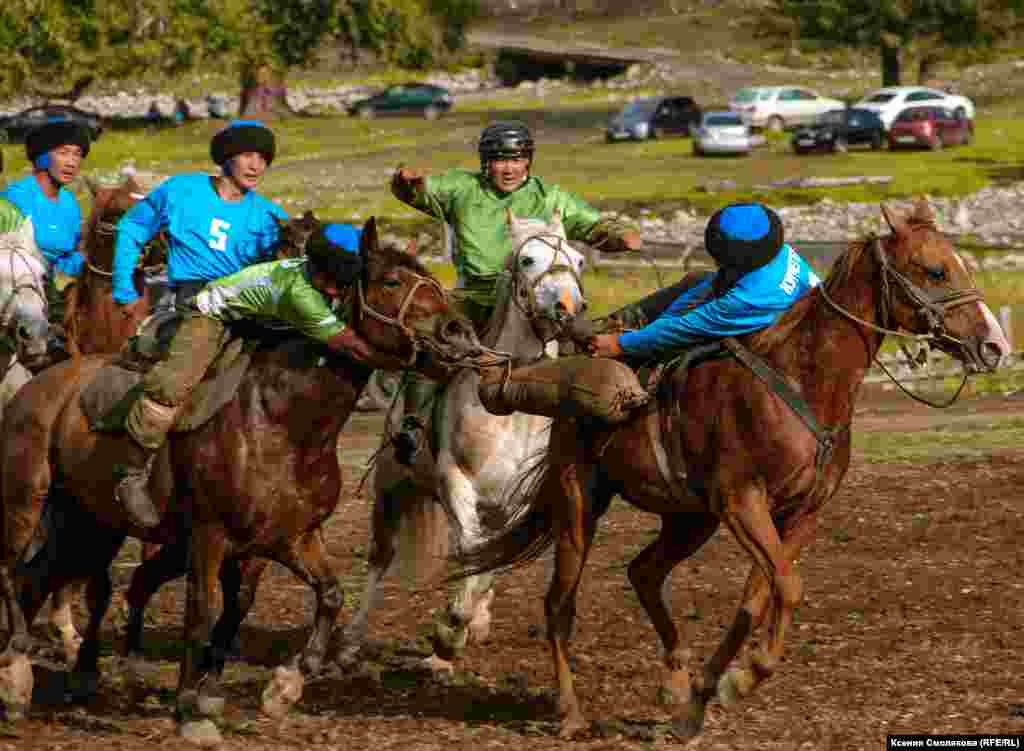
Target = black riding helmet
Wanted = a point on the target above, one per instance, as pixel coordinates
(330, 251)
(508, 139)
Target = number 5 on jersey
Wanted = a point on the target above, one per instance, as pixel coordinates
(219, 234)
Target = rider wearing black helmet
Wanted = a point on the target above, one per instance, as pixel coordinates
(476, 205)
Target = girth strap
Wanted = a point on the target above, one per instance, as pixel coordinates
(826, 437)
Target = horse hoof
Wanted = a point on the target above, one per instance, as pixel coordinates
(439, 667)
(210, 706)
(572, 726)
(200, 733)
(82, 687)
(691, 724)
(16, 682)
(284, 689)
(348, 656)
(733, 686)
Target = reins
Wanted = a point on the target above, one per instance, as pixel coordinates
(522, 292)
(8, 310)
(932, 308)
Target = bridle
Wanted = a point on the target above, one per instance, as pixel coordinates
(107, 228)
(524, 288)
(932, 307)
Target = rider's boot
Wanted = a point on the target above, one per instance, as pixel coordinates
(418, 395)
(148, 424)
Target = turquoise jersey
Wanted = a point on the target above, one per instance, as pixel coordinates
(57, 223)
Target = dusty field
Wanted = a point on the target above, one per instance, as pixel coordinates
(911, 622)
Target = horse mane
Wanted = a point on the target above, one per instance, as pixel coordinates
(389, 257)
(23, 240)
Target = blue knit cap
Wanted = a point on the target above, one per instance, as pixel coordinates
(742, 237)
(345, 236)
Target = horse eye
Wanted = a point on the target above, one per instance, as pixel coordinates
(936, 274)
(392, 283)
(526, 262)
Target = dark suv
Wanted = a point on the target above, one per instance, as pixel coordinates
(422, 99)
(654, 117)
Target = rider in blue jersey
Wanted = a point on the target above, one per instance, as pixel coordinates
(215, 225)
(56, 150)
(759, 278)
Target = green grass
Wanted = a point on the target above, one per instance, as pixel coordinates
(958, 442)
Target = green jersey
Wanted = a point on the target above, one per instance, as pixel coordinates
(273, 293)
(10, 216)
(477, 213)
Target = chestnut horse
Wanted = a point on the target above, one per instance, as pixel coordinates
(258, 479)
(750, 461)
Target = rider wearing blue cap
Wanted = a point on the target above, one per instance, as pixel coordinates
(215, 225)
(306, 293)
(759, 278)
(56, 150)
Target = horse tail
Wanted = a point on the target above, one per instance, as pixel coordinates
(423, 539)
(529, 532)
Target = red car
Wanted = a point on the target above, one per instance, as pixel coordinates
(932, 127)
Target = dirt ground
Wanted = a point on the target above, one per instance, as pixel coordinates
(911, 622)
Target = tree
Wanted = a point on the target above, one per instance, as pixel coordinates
(896, 26)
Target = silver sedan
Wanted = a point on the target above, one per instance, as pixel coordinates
(722, 133)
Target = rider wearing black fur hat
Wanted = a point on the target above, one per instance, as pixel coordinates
(215, 225)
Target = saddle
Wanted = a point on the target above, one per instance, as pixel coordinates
(108, 399)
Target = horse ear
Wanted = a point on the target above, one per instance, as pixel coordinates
(556, 222)
(895, 222)
(510, 218)
(923, 213)
(368, 242)
(308, 217)
(411, 249)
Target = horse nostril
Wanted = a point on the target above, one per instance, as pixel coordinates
(991, 355)
(23, 332)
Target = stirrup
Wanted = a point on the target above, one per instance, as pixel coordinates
(133, 492)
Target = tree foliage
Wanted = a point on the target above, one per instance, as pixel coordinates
(894, 26)
(59, 41)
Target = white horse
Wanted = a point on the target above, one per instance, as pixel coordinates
(478, 456)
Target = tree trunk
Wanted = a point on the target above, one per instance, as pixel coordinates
(890, 65)
(925, 68)
(264, 94)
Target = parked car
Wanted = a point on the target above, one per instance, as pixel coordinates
(892, 100)
(837, 129)
(933, 127)
(721, 133)
(654, 117)
(15, 127)
(779, 107)
(405, 99)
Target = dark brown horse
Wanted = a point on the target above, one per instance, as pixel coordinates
(750, 461)
(258, 480)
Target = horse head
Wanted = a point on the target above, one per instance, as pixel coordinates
(545, 270)
(931, 291)
(109, 204)
(293, 235)
(23, 311)
(402, 309)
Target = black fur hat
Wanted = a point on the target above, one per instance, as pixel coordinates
(242, 136)
(742, 237)
(53, 133)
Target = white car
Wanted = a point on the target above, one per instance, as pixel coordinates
(891, 101)
(778, 107)
(721, 133)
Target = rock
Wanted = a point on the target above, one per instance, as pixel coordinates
(200, 733)
(16, 683)
(284, 689)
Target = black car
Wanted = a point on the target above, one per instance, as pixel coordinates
(14, 128)
(654, 117)
(405, 99)
(836, 129)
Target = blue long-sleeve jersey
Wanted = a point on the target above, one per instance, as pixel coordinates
(57, 224)
(755, 302)
(208, 237)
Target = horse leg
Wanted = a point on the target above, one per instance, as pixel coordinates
(307, 559)
(167, 564)
(681, 535)
(198, 690)
(575, 527)
(85, 677)
(746, 515)
(385, 522)
(238, 582)
(740, 682)
(62, 623)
